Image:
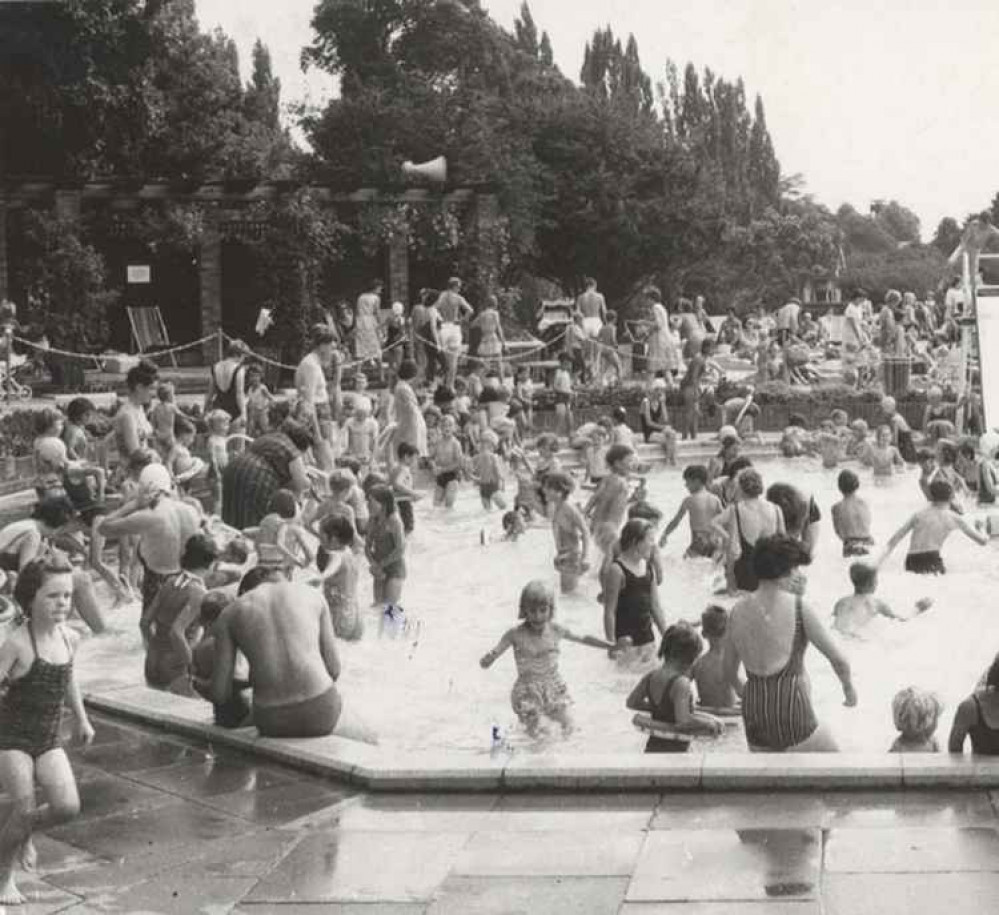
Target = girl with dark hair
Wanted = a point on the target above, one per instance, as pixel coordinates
(744, 522)
(385, 548)
(36, 660)
(768, 633)
(631, 598)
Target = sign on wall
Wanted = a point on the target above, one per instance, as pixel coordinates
(139, 273)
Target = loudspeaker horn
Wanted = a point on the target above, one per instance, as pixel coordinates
(435, 170)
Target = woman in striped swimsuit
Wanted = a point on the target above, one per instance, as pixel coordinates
(769, 632)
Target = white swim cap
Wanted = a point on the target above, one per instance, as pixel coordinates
(155, 479)
(398, 309)
(728, 432)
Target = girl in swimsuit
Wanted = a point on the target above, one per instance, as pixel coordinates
(769, 632)
(539, 692)
(572, 539)
(667, 694)
(336, 533)
(385, 549)
(631, 598)
(36, 661)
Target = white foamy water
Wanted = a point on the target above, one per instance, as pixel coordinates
(425, 690)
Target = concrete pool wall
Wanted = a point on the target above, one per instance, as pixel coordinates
(383, 769)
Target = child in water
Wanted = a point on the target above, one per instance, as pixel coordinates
(487, 472)
(929, 529)
(882, 455)
(539, 691)
(572, 540)
(280, 538)
(851, 517)
(703, 506)
(336, 533)
(916, 714)
(36, 662)
(447, 459)
(852, 614)
(385, 549)
(668, 695)
(713, 687)
(235, 711)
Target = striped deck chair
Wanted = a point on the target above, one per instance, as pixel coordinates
(149, 330)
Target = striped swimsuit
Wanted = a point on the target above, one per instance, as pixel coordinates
(777, 709)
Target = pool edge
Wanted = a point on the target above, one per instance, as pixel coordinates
(380, 769)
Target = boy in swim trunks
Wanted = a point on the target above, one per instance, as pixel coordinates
(929, 529)
(447, 460)
(851, 517)
(572, 540)
(608, 506)
(702, 506)
(852, 614)
(714, 689)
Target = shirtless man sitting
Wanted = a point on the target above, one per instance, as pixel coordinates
(286, 634)
(930, 528)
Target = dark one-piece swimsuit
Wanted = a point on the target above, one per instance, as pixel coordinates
(31, 709)
(664, 713)
(634, 606)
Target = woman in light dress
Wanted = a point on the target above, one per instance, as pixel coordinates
(662, 349)
(492, 342)
(367, 346)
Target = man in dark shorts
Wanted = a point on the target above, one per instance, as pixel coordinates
(286, 633)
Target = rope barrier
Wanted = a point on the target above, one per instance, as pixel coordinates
(99, 358)
(488, 360)
(283, 365)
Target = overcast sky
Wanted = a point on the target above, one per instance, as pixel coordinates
(895, 99)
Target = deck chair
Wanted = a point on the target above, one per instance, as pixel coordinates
(149, 330)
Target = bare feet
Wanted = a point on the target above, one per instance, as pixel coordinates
(29, 856)
(9, 893)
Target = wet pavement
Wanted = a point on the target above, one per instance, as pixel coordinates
(170, 826)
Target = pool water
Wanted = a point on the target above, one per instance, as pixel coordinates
(421, 687)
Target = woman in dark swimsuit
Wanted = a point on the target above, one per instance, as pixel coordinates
(743, 523)
(769, 632)
(978, 718)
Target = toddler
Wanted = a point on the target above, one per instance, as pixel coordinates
(572, 540)
(74, 434)
(385, 549)
(667, 695)
(258, 402)
(447, 459)
(235, 712)
(401, 480)
(218, 453)
(362, 432)
(539, 691)
(182, 465)
(916, 715)
(487, 472)
(514, 525)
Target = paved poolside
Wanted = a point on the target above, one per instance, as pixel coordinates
(171, 826)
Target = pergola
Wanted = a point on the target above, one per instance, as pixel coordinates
(228, 204)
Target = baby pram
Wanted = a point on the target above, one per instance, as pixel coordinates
(11, 389)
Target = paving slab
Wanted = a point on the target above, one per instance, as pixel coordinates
(201, 778)
(912, 851)
(529, 896)
(557, 812)
(125, 835)
(177, 893)
(910, 894)
(43, 898)
(362, 867)
(581, 853)
(413, 813)
(899, 809)
(749, 810)
(768, 907)
(331, 908)
(278, 804)
(728, 865)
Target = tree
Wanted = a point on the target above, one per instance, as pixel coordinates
(262, 100)
(898, 221)
(863, 234)
(127, 88)
(947, 236)
(763, 169)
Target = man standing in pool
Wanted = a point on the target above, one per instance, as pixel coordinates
(930, 527)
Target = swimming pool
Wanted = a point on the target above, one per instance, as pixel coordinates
(423, 689)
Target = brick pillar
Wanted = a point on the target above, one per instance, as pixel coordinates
(210, 281)
(398, 269)
(4, 276)
(67, 205)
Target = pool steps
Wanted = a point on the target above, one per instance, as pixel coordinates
(384, 769)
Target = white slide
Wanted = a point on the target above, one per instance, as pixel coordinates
(987, 296)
